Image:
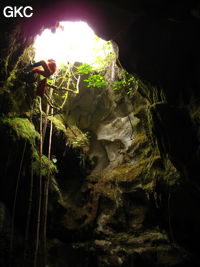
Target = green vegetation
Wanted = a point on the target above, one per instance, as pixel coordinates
(47, 165)
(127, 82)
(77, 138)
(84, 69)
(23, 128)
(96, 80)
(57, 122)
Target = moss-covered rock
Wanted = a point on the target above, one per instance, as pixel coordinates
(22, 128)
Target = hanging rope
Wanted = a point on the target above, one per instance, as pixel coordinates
(46, 193)
(28, 218)
(14, 206)
(39, 189)
(29, 210)
(46, 117)
(45, 185)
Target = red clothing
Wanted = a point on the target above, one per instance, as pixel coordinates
(41, 87)
(47, 70)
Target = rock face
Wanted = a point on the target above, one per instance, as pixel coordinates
(109, 118)
(129, 194)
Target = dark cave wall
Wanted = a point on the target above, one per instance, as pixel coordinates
(134, 212)
(165, 52)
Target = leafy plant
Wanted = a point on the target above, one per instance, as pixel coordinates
(128, 82)
(117, 85)
(96, 80)
(84, 69)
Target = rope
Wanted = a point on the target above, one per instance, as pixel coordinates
(14, 206)
(39, 190)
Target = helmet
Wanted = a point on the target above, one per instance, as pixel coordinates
(51, 60)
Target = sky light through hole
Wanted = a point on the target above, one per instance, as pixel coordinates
(71, 42)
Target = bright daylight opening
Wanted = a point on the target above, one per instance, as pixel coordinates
(72, 42)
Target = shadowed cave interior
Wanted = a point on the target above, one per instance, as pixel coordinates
(122, 177)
